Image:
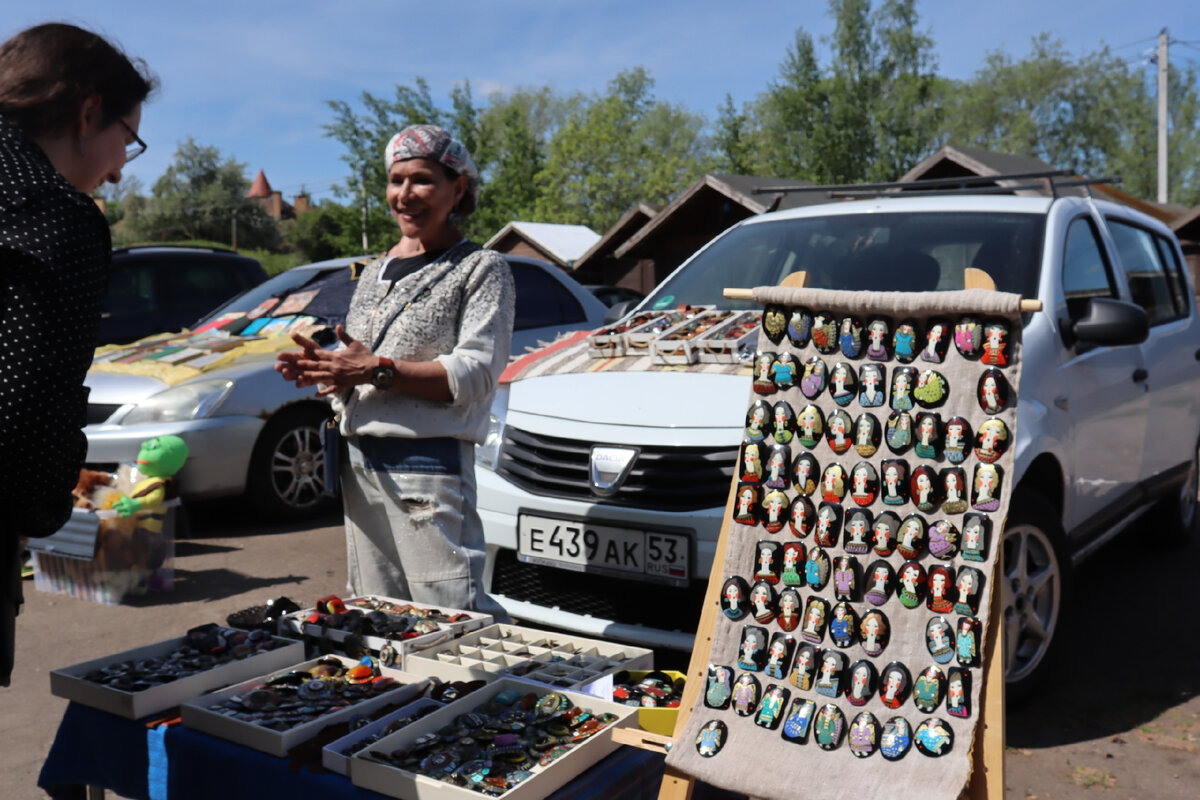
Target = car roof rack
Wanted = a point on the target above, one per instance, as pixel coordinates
(965, 184)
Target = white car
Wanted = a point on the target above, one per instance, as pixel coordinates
(1108, 421)
(251, 432)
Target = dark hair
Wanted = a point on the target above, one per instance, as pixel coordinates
(48, 71)
(465, 206)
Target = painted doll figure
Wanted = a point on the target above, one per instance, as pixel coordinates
(912, 536)
(912, 584)
(711, 738)
(757, 425)
(753, 642)
(828, 525)
(862, 683)
(799, 719)
(958, 701)
(804, 474)
(863, 737)
(733, 598)
(783, 371)
(751, 464)
(850, 337)
(801, 517)
(762, 603)
(720, 687)
(899, 432)
(966, 643)
(894, 493)
(829, 727)
(856, 533)
(745, 694)
(866, 435)
(987, 488)
(884, 533)
(928, 688)
(811, 426)
(902, 384)
(833, 484)
(843, 626)
(845, 578)
(799, 327)
(991, 441)
(864, 484)
(783, 425)
(953, 489)
(776, 659)
(894, 689)
(770, 710)
(873, 632)
(870, 386)
(931, 389)
(904, 342)
(789, 610)
(802, 671)
(763, 380)
(967, 587)
(929, 435)
(896, 738)
(746, 511)
(974, 546)
(943, 539)
(936, 340)
(837, 430)
(814, 621)
(775, 511)
(830, 676)
(934, 737)
(993, 391)
(842, 385)
(955, 444)
(812, 383)
(877, 340)
(793, 554)
(776, 476)
(939, 639)
(879, 583)
(767, 568)
(824, 333)
(938, 600)
(968, 337)
(773, 322)
(995, 344)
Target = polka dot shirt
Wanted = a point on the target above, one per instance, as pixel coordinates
(55, 253)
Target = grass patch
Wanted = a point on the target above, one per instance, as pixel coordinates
(1087, 777)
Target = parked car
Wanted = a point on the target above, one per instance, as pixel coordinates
(248, 430)
(160, 288)
(611, 295)
(1108, 424)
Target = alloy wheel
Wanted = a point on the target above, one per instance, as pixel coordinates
(1030, 598)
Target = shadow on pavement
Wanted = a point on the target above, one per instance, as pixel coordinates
(234, 517)
(1130, 650)
(209, 585)
(193, 548)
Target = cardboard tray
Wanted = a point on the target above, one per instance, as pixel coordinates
(69, 682)
(609, 342)
(679, 346)
(199, 714)
(637, 341)
(294, 624)
(331, 755)
(729, 349)
(400, 783)
(552, 659)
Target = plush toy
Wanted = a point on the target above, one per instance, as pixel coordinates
(159, 459)
(89, 481)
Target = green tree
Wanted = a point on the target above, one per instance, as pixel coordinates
(328, 230)
(618, 149)
(198, 197)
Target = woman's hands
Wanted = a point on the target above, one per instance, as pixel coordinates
(334, 370)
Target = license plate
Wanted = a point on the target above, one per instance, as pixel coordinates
(587, 547)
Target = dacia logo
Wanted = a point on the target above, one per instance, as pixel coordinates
(609, 467)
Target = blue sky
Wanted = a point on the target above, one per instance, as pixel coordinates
(251, 77)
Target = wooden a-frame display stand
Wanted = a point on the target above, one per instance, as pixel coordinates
(987, 775)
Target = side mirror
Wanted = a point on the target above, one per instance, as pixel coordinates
(1108, 322)
(619, 310)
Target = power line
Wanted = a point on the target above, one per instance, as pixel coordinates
(1131, 44)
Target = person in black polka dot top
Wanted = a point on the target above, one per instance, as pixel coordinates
(70, 108)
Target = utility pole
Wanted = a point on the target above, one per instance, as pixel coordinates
(1162, 116)
(233, 230)
(363, 184)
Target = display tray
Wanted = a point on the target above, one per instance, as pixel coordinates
(558, 660)
(201, 713)
(637, 341)
(730, 342)
(69, 682)
(332, 756)
(680, 345)
(401, 783)
(295, 623)
(610, 342)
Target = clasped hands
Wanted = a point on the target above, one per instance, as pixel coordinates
(334, 371)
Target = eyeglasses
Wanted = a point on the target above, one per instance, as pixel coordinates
(138, 147)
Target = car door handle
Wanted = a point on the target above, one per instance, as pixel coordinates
(1140, 375)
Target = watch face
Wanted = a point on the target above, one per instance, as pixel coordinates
(383, 377)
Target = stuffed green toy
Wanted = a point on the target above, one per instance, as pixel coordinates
(159, 459)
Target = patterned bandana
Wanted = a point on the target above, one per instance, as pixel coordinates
(436, 144)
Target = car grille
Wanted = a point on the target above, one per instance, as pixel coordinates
(663, 478)
(100, 412)
(653, 605)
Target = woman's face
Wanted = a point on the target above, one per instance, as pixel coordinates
(103, 149)
(421, 196)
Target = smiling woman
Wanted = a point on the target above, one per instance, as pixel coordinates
(70, 107)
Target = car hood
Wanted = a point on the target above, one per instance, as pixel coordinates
(118, 388)
(655, 399)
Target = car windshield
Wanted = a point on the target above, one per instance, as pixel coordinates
(330, 301)
(902, 251)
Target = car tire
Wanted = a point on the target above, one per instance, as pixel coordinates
(1177, 517)
(1035, 591)
(287, 470)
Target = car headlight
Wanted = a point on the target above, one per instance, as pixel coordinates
(488, 453)
(179, 403)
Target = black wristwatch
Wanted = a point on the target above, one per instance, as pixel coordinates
(384, 374)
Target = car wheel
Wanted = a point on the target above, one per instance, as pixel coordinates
(287, 470)
(1176, 516)
(1034, 591)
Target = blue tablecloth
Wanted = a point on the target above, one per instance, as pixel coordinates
(127, 757)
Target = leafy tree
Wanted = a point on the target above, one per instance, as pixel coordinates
(618, 149)
(198, 197)
(735, 150)
(329, 230)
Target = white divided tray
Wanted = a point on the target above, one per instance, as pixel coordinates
(201, 714)
(401, 783)
(333, 755)
(680, 345)
(637, 341)
(69, 682)
(558, 660)
(610, 342)
(731, 341)
(295, 623)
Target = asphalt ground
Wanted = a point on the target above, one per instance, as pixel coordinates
(1120, 717)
